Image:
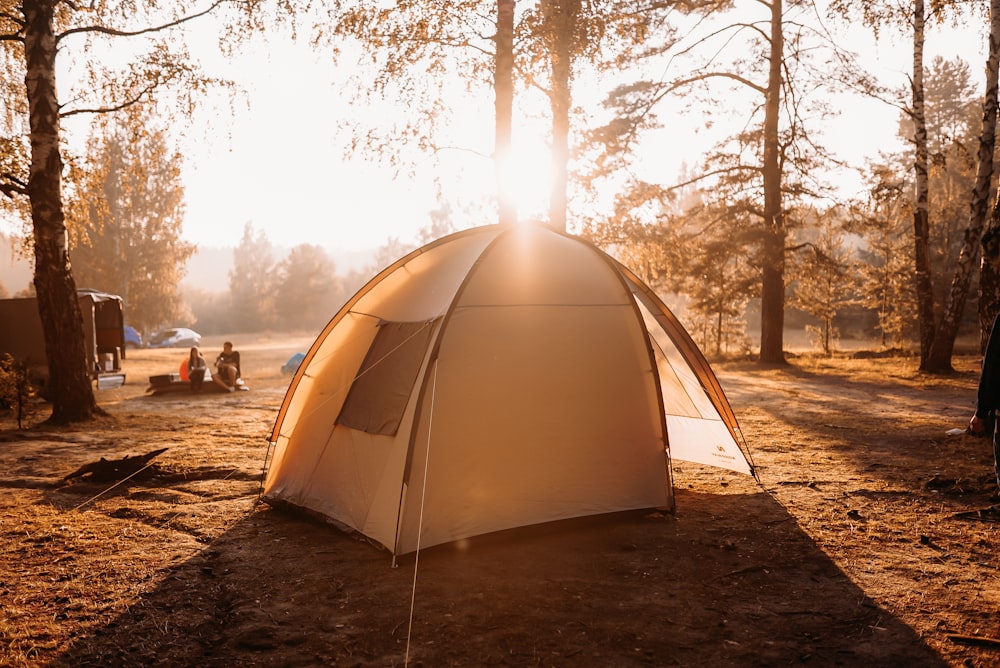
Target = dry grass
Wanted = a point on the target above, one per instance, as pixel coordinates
(857, 547)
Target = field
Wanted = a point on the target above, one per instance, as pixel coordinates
(871, 539)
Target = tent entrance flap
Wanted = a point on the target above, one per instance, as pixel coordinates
(378, 397)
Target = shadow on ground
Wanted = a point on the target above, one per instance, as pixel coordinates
(729, 580)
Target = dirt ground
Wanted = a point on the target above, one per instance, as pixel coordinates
(872, 539)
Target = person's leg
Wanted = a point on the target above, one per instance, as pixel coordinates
(996, 452)
(197, 376)
(220, 381)
(217, 379)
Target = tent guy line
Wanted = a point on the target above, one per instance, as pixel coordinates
(423, 498)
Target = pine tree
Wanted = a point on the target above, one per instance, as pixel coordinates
(251, 283)
(825, 284)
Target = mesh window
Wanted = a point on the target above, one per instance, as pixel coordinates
(379, 394)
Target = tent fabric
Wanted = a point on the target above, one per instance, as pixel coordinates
(498, 377)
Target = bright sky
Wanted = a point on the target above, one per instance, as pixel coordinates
(279, 163)
(281, 167)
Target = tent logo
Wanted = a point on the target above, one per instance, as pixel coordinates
(720, 452)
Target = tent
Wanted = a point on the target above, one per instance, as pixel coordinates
(498, 377)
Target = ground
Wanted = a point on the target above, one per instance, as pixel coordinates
(871, 539)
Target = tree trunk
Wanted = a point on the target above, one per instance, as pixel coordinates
(562, 16)
(921, 224)
(69, 385)
(503, 84)
(772, 298)
(939, 356)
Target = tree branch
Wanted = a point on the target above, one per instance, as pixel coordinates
(13, 186)
(104, 30)
(118, 107)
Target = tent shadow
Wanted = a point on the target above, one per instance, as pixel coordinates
(729, 580)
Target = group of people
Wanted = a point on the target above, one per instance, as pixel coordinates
(227, 368)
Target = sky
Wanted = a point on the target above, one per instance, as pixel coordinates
(279, 165)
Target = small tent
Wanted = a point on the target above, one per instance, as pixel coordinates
(498, 377)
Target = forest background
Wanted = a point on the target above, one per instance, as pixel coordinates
(846, 264)
(849, 276)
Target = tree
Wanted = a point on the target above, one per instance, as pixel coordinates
(251, 287)
(938, 358)
(952, 134)
(921, 222)
(824, 283)
(936, 341)
(425, 55)
(32, 32)
(565, 37)
(989, 274)
(560, 21)
(721, 276)
(885, 267)
(767, 165)
(308, 291)
(412, 50)
(128, 209)
(772, 291)
(503, 90)
(69, 380)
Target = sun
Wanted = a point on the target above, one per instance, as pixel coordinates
(526, 180)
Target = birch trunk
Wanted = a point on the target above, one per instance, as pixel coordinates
(69, 386)
(989, 269)
(921, 224)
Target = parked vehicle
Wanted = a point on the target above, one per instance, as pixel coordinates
(133, 339)
(175, 337)
(103, 337)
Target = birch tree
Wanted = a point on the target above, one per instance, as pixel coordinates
(32, 34)
(936, 339)
(989, 272)
(938, 357)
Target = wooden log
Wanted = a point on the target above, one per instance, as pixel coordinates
(981, 641)
(107, 470)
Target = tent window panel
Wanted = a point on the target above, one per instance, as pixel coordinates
(382, 388)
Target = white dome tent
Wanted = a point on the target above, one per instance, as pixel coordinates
(495, 378)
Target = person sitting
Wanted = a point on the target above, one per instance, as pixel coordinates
(197, 368)
(227, 366)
